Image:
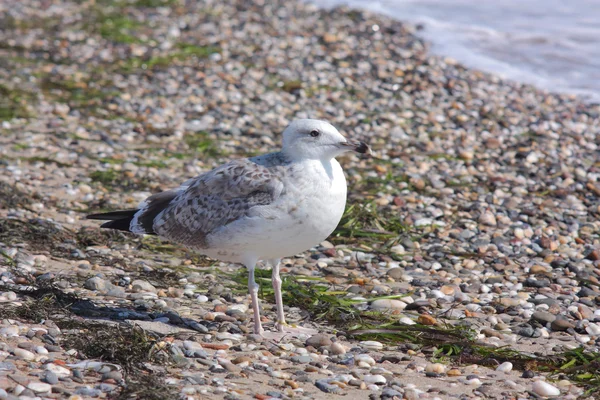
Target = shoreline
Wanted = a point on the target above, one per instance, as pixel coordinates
(454, 37)
(473, 229)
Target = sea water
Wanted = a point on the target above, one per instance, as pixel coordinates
(553, 44)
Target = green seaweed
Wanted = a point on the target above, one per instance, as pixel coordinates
(182, 52)
(366, 221)
(13, 103)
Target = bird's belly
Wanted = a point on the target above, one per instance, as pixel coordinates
(289, 228)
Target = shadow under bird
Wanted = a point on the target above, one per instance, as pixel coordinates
(259, 208)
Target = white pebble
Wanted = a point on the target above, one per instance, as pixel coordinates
(41, 350)
(545, 389)
(18, 390)
(364, 358)
(582, 338)
(236, 337)
(372, 345)
(504, 367)
(376, 379)
(407, 321)
(57, 369)
(593, 329)
(9, 331)
(387, 304)
(279, 374)
(24, 354)
(436, 368)
(39, 387)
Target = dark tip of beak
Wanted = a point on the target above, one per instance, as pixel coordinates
(363, 148)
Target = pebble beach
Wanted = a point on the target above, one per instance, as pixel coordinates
(467, 264)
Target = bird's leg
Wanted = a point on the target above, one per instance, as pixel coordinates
(276, 280)
(253, 289)
(284, 330)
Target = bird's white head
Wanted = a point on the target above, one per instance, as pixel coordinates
(319, 140)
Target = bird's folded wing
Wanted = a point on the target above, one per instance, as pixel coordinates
(215, 199)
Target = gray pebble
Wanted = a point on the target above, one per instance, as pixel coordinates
(51, 378)
(543, 317)
(324, 386)
(96, 283)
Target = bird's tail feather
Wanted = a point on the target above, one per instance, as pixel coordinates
(120, 220)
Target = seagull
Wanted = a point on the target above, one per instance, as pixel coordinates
(259, 208)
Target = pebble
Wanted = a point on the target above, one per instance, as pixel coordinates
(318, 340)
(543, 317)
(388, 304)
(504, 367)
(57, 370)
(337, 349)
(51, 378)
(23, 354)
(140, 285)
(96, 283)
(39, 387)
(560, 324)
(372, 345)
(436, 368)
(9, 331)
(326, 387)
(364, 358)
(544, 389)
(593, 329)
(375, 379)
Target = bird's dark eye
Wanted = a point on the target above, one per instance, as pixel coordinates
(315, 133)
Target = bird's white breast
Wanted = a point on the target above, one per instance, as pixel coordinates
(307, 212)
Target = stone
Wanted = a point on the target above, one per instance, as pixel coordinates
(488, 218)
(545, 389)
(560, 324)
(7, 366)
(337, 348)
(527, 374)
(375, 379)
(388, 304)
(318, 340)
(364, 358)
(114, 375)
(10, 331)
(543, 317)
(96, 283)
(140, 285)
(526, 331)
(372, 345)
(61, 372)
(504, 367)
(396, 273)
(326, 387)
(24, 354)
(51, 378)
(39, 387)
(593, 329)
(435, 368)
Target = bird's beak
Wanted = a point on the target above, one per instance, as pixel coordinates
(355, 145)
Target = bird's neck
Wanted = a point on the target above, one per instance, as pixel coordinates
(328, 166)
